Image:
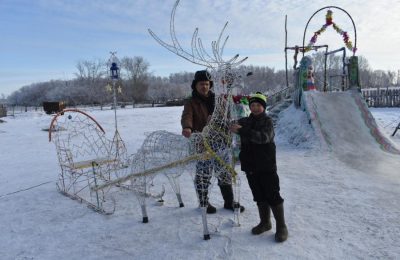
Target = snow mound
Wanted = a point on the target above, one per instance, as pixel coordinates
(293, 128)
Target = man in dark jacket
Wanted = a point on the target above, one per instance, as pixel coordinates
(196, 113)
(258, 161)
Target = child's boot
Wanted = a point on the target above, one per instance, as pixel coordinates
(265, 219)
(281, 229)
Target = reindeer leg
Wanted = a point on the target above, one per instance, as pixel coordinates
(206, 233)
(139, 188)
(230, 187)
(174, 181)
(141, 197)
(179, 197)
(202, 183)
(144, 214)
(236, 204)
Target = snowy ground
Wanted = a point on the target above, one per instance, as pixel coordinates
(333, 210)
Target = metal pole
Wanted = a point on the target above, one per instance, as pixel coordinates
(397, 128)
(95, 183)
(115, 105)
(344, 68)
(287, 77)
(343, 62)
(325, 72)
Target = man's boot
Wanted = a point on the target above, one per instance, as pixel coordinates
(211, 209)
(281, 229)
(227, 194)
(203, 200)
(265, 219)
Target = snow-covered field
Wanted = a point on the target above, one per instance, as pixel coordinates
(333, 210)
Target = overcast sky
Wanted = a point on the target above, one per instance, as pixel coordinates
(44, 39)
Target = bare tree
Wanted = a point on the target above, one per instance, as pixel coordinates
(136, 68)
(392, 77)
(365, 72)
(90, 75)
(379, 78)
(136, 72)
(91, 69)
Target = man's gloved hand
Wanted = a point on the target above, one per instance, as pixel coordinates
(187, 132)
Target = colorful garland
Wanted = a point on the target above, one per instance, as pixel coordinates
(239, 99)
(329, 22)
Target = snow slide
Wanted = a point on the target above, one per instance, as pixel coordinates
(345, 126)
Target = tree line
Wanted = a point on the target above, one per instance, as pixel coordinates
(138, 85)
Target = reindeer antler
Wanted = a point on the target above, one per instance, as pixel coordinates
(198, 53)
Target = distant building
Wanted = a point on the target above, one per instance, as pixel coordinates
(3, 110)
(53, 107)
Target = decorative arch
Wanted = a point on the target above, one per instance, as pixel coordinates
(329, 21)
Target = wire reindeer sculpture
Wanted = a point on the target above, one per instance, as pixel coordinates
(212, 147)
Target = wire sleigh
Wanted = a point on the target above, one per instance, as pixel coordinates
(87, 158)
(107, 166)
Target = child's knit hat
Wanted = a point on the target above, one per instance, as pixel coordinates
(260, 98)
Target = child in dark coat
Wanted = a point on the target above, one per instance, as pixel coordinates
(258, 161)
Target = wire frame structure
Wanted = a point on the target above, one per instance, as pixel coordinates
(159, 154)
(215, 141)
(207, 154)
(87, 159)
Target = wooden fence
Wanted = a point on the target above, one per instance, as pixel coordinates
(382, 97)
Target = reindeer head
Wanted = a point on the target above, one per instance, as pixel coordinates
(225, 73)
